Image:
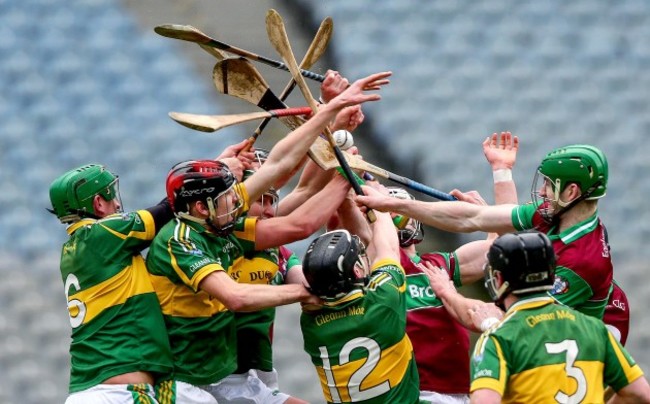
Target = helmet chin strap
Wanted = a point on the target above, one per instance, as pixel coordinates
(568, 205)
(501, 294)
(212, 216)
(207, 222)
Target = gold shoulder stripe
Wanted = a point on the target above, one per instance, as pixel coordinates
(142, 235)
(632, 372)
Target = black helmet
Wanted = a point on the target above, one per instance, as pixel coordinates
(526, 261)
(329, 263)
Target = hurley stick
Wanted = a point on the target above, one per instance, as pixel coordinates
(245, 82)
(219, 55)
(321, 154)
(211, 123)
(278, 36)
(314, 52)
(191, 34)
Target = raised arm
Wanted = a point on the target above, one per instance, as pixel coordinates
(312, 180)
(304, 220)
(500, 150)
(473, 314)
(384, 242)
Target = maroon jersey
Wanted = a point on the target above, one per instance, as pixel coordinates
(617, 312)
(584, 273)
(440, 343)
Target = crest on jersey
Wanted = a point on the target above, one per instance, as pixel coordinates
(561, 286)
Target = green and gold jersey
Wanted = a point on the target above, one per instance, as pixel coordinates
(117, 326)
(543, 352)
(201, 329)
(359, 345)
(255, 329)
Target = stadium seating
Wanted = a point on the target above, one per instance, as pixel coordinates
(87, 83)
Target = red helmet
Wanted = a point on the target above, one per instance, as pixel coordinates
(195, 180)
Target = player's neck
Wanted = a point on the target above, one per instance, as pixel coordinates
(579, 213)
(410, 251)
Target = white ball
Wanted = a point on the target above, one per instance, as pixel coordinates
(343, 139)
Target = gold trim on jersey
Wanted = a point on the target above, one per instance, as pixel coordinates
(384, 262)
(131, 281)
(352, 295)
(377, 281)
(632, 372)
(491, 383)
(142, 235)
(248, 232)
(178, 300)
(84, 222)
(146, 217)
(182, 236)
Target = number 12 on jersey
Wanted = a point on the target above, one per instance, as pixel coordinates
(344, 381)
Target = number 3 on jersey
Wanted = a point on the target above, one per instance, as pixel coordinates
(571, 348)
(343, 382)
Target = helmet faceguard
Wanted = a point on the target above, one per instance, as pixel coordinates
(212, 183)
(410, 231)
(72, 194)
(270, 196)
(583, 165)
(330, 261)
(526, 262)
(273, 198)
(261, 155)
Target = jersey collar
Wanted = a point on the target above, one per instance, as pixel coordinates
(531, 302)
(81, 223)
(578, 230)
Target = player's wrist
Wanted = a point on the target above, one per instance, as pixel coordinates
(502, 175)
(487, 323)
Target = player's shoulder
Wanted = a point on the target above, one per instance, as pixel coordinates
(389, 266)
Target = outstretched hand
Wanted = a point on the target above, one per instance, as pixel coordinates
(374, 199)
(472, 197)
(501, 150)
(333, 85)
(234, 150)
(438, 279)
(355, 94)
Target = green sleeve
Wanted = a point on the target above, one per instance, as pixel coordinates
(292, 262)
(455, 270)
(522, 216)
(487, 365)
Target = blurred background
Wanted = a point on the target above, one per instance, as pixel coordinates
(90, 81)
